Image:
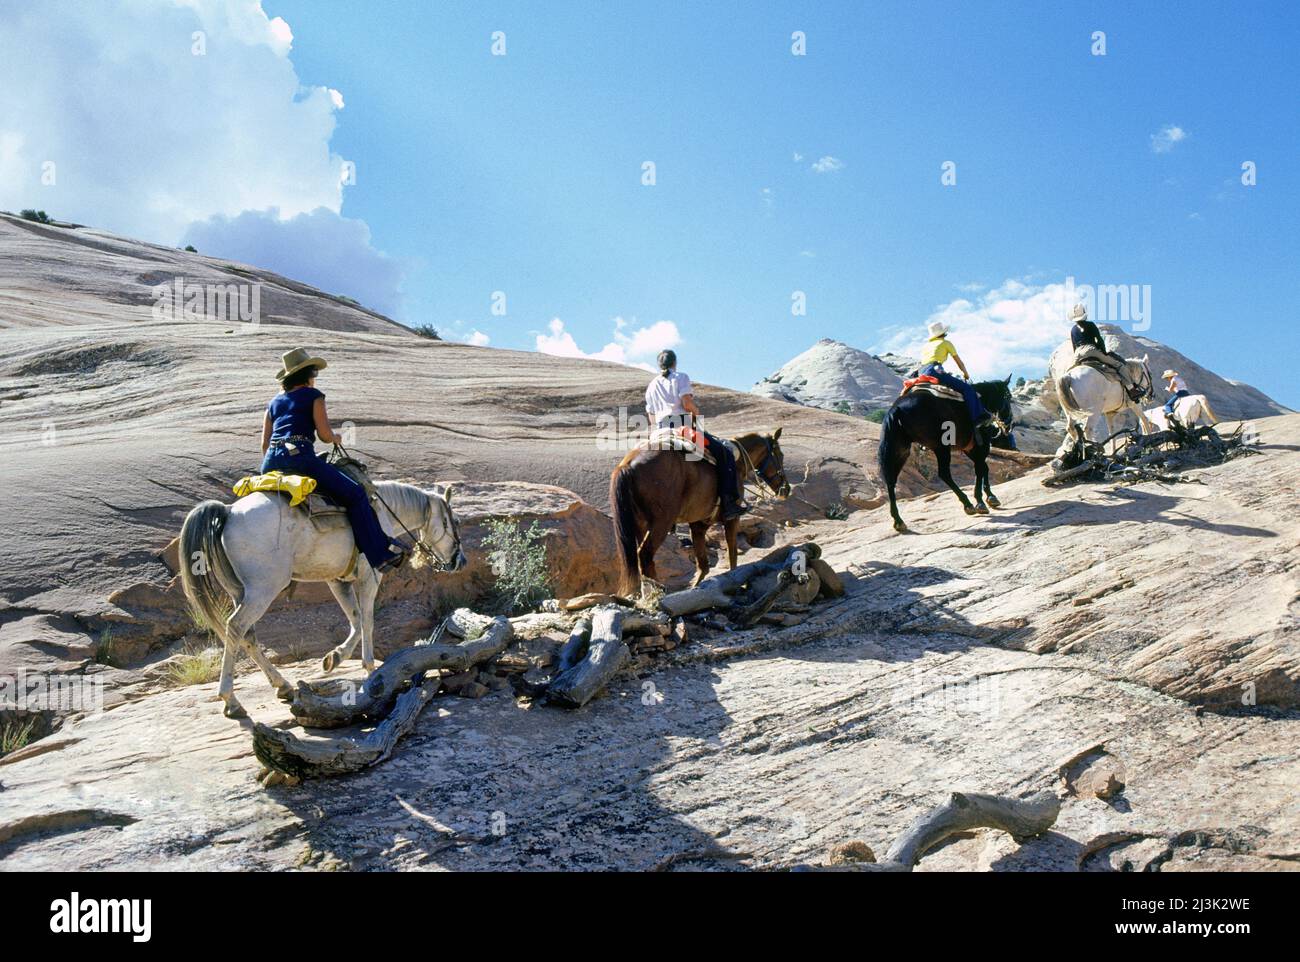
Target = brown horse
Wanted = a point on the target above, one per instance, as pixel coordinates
(654, 489)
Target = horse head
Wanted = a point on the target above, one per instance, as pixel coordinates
(767, 460)
(441, 531)
(1141, 372)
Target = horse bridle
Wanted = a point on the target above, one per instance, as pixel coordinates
(768, 454)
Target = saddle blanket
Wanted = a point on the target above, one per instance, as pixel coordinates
(931, 385)
(687, 440)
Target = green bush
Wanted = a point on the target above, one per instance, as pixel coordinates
(37, 215)
(427, 330)
(877, 415)
(518, 559)
(191, 248)
(16, 733)
(843, 407)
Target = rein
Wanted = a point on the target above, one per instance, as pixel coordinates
(759, 488)
(422, 549)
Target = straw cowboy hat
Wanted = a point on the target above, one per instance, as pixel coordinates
(296, 360)
(937, 328)
(1079, 312)
(1170, 373)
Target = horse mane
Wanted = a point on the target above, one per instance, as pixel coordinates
(402, 497)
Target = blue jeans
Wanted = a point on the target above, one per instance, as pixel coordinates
(973, 403)
(1169, 405)
(330, 481)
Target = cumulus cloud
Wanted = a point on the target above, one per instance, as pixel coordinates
(629, 346)
(1164, 139)
(827, 165)
(1013, 327)
(320, 248)
(478, 339)
(146, 135)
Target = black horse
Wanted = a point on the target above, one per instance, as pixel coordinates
(940, 424)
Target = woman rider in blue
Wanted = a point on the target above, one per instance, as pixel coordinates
(293, 419)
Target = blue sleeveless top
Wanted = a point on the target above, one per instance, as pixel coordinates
(291, 414)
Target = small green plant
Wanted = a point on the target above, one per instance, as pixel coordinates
(518, 559)
(194, 668)
(348, 300)
(39, 216)
(104, 648)
(836, 511)
(15, 733)
(427, 330)
(843, 407)
(877, 415)
(191, 248)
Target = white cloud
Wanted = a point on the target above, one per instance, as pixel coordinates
(478, 339)
(148, 138)
(1163, 140)
(807, 253)
(768, 198)
(1013, 327)
(827, 165)
(625, 348)
(320, 248)
(797, 157)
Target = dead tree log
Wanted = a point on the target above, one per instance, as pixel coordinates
(606, 654)
(573, 650)
(1020, 818)
(334, 704)
(313, 757)
(716, 592)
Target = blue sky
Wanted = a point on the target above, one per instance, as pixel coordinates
(523, 173)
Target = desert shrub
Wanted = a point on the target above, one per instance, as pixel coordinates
(836, 511)
(15, 733)
(518, 559)
(348, 300)
(427, 330)
(104, 648)
(39, 216)
(191, 248)
(194, 668)
(877, 415)
(843, 407)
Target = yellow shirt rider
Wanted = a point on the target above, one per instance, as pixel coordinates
(939, 349)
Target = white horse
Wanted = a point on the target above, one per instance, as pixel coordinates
(236, 559)
(1193, 411)
(1091, 398)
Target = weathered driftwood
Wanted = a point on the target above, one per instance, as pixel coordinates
(334, 704)
(748, 616)
(466, 623)
(606, 654)
(573, 650)
(313, 757)
(1019, 818)
(641, 623)
(716, 592)
(591, 600)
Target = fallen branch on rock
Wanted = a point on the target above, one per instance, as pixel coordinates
(606, 654)
(313, 757)
(335, 704)
(1019, 818)
(1152, 457)
(717, 591)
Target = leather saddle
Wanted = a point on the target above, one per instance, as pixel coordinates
(930, 385)
(686, 440)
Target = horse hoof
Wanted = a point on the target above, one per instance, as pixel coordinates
(285, 692)
(330, 662)
(900, 526)
(981, 509)
(970, 509)
(994, 502)
(368, 666)
(234, 710)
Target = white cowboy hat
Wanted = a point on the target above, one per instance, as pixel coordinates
(296, 360)
(1170, 373)
(1079, 312)
(937, 327)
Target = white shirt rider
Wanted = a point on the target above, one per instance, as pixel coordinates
(669, 398)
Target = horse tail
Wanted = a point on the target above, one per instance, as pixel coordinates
(1205, 407)
(205, 566)
(891, 432)
(1063, 389)
(623, 506)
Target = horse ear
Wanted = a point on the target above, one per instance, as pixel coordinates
(776, 434)
(446, 493)
(1007, 382)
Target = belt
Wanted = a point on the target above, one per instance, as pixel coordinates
(295, 441)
